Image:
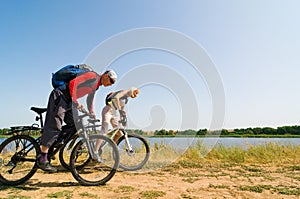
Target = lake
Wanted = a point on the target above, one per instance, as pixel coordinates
(182, 143)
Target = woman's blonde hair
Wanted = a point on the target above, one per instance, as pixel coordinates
(134, 92)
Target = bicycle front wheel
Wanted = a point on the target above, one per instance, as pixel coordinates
(92, 172)
(18, 156)
(134, 154)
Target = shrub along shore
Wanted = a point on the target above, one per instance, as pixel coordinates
(280, 132)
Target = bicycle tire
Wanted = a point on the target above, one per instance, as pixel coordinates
(89, 172)
(18, 156)
(137, 158)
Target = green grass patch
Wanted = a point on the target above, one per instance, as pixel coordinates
(188, 163)
(89, 195)
(295, 168)
(191, 179)
(187, 196)
(152, 194)
(283, 190)
(17, 197)
(257, 189)
(125, 189)
(296, 178)
(218, 186)
(251, 169)
(288, 191)
(61, 194)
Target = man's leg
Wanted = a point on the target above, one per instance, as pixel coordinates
(71, 117)
(53, 124)
(114, 123)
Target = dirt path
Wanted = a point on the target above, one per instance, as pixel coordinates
(209, 181)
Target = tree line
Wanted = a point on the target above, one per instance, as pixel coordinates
(257, 131)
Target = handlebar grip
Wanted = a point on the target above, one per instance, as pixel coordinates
(123, 120)
(86, 113)
(93, 120)
(82, 110)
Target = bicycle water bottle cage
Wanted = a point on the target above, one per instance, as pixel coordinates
(37, 118)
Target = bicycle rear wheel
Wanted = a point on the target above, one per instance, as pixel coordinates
(136, 158)
(90, 172)
(18, 159)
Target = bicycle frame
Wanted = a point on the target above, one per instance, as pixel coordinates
(84, 134)
(123, 131)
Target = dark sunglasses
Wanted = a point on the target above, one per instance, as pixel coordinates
(111, 80)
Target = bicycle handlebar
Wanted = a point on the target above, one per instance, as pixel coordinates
(123, 121)
(86, 113)
(83, 110)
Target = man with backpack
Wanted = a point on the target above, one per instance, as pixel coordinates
(70, 83)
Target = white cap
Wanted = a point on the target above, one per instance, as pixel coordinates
(112, 75)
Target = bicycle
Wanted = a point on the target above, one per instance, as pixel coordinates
(18, 153)
(134, 150)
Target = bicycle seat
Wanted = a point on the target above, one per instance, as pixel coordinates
(38, 110)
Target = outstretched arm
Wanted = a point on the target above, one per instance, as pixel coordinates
(116, 99)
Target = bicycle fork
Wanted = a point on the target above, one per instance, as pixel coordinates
(128, 146)
(89, 145)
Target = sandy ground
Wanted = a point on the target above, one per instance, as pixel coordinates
(208, 181)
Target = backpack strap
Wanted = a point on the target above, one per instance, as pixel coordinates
(109, 97)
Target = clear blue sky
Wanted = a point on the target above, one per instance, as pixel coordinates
(254, 45)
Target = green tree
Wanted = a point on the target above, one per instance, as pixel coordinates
(160, 132)
(269, 131)
(257, 131)
(201, 132)
(224, 132)
(282, 130)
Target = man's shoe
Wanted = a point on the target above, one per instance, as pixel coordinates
(45, 166)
